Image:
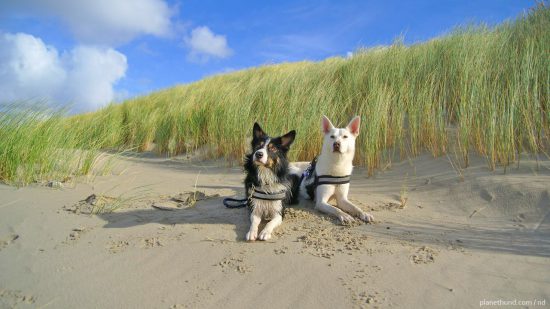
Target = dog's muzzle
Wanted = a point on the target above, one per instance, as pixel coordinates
(336, 147)
(260, 156)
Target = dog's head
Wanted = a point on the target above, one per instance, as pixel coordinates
(340, 140)
(267, 151)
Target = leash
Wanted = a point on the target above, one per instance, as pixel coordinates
(240, 203)
(257, 194)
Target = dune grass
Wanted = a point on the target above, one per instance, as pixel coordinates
(38, 144)
(478, 89)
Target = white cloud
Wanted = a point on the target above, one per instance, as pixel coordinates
(203, 44)
(103, 22)
(83, 76)
(28, 68)
(91, 73)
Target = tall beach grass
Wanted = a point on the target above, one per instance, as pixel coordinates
(478, 89)
(38, 144)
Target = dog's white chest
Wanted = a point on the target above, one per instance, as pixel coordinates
(266, 209)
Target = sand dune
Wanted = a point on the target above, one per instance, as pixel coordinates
(462, 237)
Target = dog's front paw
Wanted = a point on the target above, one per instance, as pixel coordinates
(265, 235)
(252, 235)
(345, 218)
(366, 217)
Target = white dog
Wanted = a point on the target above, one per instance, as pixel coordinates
(328, 176)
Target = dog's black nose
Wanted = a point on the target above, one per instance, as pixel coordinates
(336, 145)
(259, 154)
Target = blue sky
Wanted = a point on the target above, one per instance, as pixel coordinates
(90, 52)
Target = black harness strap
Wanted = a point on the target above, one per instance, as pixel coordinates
(257, 194)
(310, 172)
(332, 180)
(269, 196)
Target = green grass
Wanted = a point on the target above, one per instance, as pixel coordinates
(478, 89)
(39, 145)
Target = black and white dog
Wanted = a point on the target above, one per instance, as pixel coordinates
(328, 176)
(268, 184)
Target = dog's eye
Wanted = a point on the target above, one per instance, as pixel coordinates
(345, 136)
(272, 148)
(332, 136)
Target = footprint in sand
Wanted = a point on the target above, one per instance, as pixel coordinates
(12, 299)
(75, 235)
(118, 246)
(4, 242)
(424, 255)
(152, 242)
(330, 240)
(234, 263)
(362, 298)
(282, 250)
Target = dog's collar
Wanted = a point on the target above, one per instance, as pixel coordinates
(269, 196)
(332, 180)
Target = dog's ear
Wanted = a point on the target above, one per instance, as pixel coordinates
(326, 125)
(257, 132)
(288, 139)
(354, 125)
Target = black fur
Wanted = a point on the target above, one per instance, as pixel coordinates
(311, 179)
(277, 154)
(295, 189)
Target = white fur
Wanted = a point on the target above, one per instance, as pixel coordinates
(267, 178)
(297, 168)
(270, 210)
(263, 150)
(253, 231)
(262, 209)
(336, 164)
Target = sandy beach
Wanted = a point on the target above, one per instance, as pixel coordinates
(443, 238)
